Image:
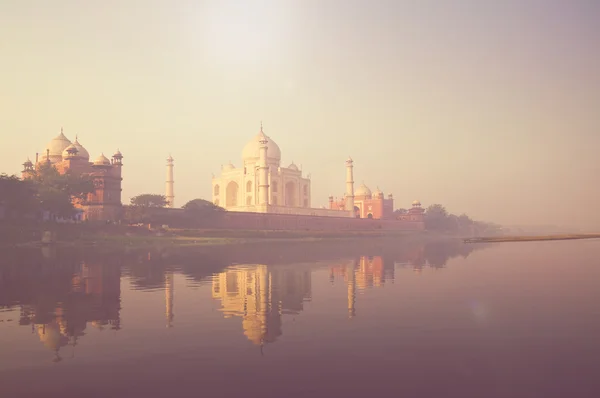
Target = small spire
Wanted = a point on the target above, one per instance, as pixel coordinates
(261, 130)
(61, 130)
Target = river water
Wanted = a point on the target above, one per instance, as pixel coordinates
(441, 319)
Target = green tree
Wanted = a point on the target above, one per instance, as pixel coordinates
(18, 196)
(201, 207)
(57, 192)
(201, 212)
(400, 211)
(451, 223)
(141, 208)
(464, 220)
(435, 217)
(149, 200)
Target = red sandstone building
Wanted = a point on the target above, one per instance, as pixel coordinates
(367, 204)
(104, 203)
(374, 205)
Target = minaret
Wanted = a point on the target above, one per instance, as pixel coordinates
(351, 290)
(263, 171)
(170, 193)
(350, 186)
(169, 293)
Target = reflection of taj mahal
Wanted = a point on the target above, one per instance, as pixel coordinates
(260, 296)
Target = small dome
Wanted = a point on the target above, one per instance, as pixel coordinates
(362, 190)
(228, 166)
(251, 152)
(293, 167)
(82, 152)
(416, 203)
(28, 162)
(349, 160)
(55, 148)
(70, 152)
(378, 193)
(102, 161)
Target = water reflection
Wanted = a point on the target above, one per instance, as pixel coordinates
(59, 306)
(60, 295)
(176, 320)
(260, 296)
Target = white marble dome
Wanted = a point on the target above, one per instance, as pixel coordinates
(251, 152)
(362, 190)
(293, 167)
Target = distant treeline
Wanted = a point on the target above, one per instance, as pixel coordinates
(437, 218)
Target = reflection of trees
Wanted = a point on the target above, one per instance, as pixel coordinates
(437, 254)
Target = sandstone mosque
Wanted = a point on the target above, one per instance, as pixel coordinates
(262, 185)
(104, 204)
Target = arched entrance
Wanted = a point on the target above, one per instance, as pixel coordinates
(291, 194)
(231, 194)
(356, 212)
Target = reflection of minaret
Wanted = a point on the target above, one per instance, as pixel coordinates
(263, 309)
(170, 193)
(351, 290)
(169, 293)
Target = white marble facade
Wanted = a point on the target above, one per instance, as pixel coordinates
(237, 188)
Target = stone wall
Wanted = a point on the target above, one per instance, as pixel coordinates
(261, 221)
(267, 221)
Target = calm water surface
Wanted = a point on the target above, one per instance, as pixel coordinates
(435, 320)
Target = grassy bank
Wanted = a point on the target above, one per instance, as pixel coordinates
(87, 235)
(497, 239)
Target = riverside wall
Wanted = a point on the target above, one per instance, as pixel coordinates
(283, 222)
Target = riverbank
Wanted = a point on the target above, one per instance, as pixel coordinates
(499, 239)
(116, 236)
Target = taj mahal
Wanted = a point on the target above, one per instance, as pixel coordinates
(262, 185)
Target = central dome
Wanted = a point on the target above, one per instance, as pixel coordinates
(55, 148)
(251, 152)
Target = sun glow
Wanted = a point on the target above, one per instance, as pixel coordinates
(243, 31)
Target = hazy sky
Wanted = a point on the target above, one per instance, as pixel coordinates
(489, 107)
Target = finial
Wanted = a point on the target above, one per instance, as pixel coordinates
(61, 130)
(76, 137)
(261, 130)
